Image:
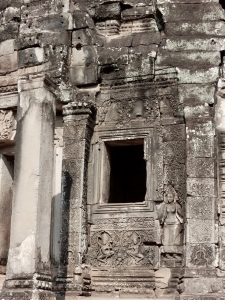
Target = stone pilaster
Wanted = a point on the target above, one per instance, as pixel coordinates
(6, 186)
(201, 278)
(78, 128)
(28, 270)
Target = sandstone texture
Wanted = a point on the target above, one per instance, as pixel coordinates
(112, 149)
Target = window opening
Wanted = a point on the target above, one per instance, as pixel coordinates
(127, 171)
(222, 2)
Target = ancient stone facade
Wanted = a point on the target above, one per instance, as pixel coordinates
(112, 149)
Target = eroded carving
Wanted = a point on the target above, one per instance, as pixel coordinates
(202, 255)
(120, 249)
(6, 123)
(170, 217)
(123, 243)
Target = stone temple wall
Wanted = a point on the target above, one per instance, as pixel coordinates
(82, 83)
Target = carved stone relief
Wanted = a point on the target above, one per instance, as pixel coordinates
(123, 243)
(171, 219)
(202, 255)
(6, 123)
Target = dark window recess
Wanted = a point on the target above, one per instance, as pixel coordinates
(222, 2)
(127, 174)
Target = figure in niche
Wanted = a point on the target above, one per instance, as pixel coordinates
(105, 247)
(134, 247)
(199, 259)
(170, 218)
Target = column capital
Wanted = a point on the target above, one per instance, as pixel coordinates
(73, 109)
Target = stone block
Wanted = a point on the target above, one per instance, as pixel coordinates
(56, 22)
(222, 237)
(200, 256)
(83, 75)
(74, 148)
(200, 208)
(174, 174)
(30, 57)
(187, 43)
(83, 56)
(222, 258)
(145, 39)
(201, 146)
(198, 111)
(200, 167)
(8, 100)
(137, 13)
(203, 288)
(194, 12)
(187, 60)
(32, 9)
(200, 138)
(85, 37)
(119, 41)
(201, 187)
(220, 107)
(197, 75)
(55, 38)
(140, 63)
(174, 132)
(194, 94)
(8, 63)
(8, 83)
(53, 23)
(7, 47)
(174, 151)
(27, 41)
(109, 55)
(9, 31)
(200, 231)
(193, 28)
(108, 11)
(82, 20)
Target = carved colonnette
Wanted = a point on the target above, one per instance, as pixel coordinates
(79, 121)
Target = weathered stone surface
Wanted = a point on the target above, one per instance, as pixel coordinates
(30, 57)
(200, 167)
(140, 85)
(7, 47)
(201, 187)
(29, 251)
(8, 63)
(8, 100)
(201, 256)
(200, 208)
(83, 75)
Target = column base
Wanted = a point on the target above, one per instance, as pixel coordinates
(27, 294)
(201, 297)
(37, 288)
(202, 288)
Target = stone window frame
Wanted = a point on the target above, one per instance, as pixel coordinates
(99, 184)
